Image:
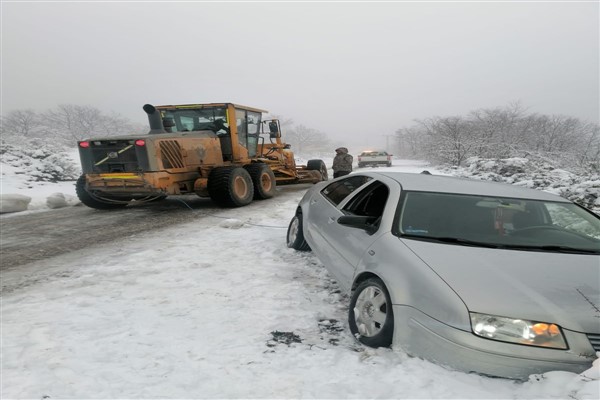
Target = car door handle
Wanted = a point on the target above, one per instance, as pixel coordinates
(371, 252)
(331, 220)
(313, 201)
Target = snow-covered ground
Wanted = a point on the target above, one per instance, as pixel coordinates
(216, 308)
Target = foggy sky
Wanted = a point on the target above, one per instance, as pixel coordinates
(355, 71)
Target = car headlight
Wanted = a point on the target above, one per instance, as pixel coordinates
(520, 331)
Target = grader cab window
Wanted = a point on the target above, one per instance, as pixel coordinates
(248, 124)
(186, 120)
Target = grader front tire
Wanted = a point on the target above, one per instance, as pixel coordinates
(318, 165)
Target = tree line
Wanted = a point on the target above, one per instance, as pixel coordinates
(64, 124)
(502, 133)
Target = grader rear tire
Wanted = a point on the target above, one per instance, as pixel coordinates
(92, 201)
(230, 186)
(263, 179)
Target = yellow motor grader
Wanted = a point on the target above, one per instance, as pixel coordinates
(219, 150)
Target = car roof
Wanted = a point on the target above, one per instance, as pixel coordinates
(451, 184)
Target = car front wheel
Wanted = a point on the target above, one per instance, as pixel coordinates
(295, 235)
(370, 316)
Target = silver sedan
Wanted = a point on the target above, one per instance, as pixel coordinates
(478, 276)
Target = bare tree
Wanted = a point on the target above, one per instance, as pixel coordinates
(72, 122)
(499, 131)
(305, 139)
(20, 122)
(448, 139)
(410, 141)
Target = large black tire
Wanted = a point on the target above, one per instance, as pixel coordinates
(295, 234)
(230, 186)
(263, 179)
(370, 316)
(92, 201)
(318, 165)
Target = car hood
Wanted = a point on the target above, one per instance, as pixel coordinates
(541, 286)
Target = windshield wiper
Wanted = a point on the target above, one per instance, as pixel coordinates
(454, 240)
(465, 242)
(557, 248)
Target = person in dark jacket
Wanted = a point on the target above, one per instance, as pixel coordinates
(342, 162)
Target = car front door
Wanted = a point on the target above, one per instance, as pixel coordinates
(340, 246)
(324, 210)
(351, 242)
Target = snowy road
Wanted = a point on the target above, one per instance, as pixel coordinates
(31, 237)
(37, 236)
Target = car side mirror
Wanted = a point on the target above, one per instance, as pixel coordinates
(366, 223)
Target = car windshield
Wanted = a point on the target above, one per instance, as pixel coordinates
(499, 222)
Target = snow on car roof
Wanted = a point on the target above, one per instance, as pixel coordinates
(449, 184)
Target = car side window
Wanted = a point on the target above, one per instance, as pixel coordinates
(370, 202)
(337, 191)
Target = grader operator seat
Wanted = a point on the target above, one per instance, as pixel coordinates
(168, 124)
(226, 149)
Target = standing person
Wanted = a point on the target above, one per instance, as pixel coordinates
(342, 162)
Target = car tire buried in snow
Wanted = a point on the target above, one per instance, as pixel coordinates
(370, 315)
(230, 186)
(295, 234)
(263, 179)
(92, 201)
(318, 165)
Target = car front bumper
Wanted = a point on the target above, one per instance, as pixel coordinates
(422, 336)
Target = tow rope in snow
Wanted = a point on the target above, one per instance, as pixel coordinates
(219, 216)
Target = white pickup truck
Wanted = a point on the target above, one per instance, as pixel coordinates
(374, 158)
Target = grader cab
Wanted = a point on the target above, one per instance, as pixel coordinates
(223, 151)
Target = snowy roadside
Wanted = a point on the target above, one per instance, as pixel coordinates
(217, 308)
(38, 178)
(236, 316)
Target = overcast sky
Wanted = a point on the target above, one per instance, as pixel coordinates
(352, 70)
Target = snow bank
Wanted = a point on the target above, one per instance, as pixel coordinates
(582, 188)
(10, 203)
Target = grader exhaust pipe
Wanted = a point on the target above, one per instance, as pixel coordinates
(154, 118)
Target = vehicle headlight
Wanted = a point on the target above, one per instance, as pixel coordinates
(520, 331)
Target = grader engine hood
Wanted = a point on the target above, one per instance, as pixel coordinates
(150, 153)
